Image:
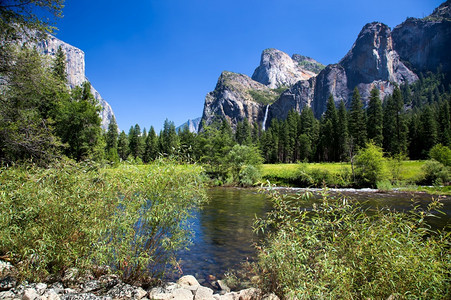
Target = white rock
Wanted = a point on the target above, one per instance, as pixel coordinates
(30, 294)
(203, 293)
(249, 294)
(40, 288)
(189, 281)
(140, 293)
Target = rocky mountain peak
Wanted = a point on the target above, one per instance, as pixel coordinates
(442, 12)
(278, 69)
(372, 57)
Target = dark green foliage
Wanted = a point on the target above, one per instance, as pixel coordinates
(375, 118)
(122, 146)
(395, 129)
(328, 144)
(59, 65)
(151, 146)
(357, 122)
(78, 123)
(428, 130)
(243, 133)
(136, 142)
(342, 133)
(169, 141)
(112, 134)
(28, 106)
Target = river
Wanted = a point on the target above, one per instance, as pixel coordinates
(223, 228)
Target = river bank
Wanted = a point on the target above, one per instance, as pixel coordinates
(74, 286)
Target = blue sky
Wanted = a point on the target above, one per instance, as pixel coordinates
(157, 59)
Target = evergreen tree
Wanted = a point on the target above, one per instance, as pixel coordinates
(342, 132)
(243, 133)
(428, 131)
(444, 124)
(78, 124)
(151, 146)
(328, 148)
(395, 129)
(186, 138)
(122, 146)
(357, 123)
(168, 140)
(59, 65)
(112, 135)
(310, 127)
(375, 118)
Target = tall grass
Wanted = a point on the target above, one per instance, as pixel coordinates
(338, 250)
(130, 218)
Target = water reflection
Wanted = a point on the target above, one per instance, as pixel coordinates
(223, 228)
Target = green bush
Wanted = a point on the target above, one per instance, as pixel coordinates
(337, 250)
(370, 166)
(435, 173)
(130, 218)
(441, 154)
(249, 175)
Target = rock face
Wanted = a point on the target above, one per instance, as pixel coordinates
(193, 125)
(378, 59)
(426, 43)
(235, 98)
(371, 62)
(278, 69)
(75, 69)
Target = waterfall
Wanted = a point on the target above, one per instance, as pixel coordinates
(264, 119)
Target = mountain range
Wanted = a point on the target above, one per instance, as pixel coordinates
(380, 58)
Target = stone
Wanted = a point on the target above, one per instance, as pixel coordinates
(70, 276)
(30, 294)
(425, 43)
(236, 98)
(228, 296)
(121, 291)
(139, 293)
(6, 295)
(188, 281)
(270, 296)
(277, 69)
(223, 286)
(7, 283)
(203, 293)
(91, 286)
(51, 295)
(250, 294)
(182, 294)
(40, 288)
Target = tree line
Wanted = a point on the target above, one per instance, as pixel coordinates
(407, 123)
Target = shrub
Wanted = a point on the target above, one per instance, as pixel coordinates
(441, 154)
(249, 175)
(339, 250)
(435, 173)
(130, 218)
(370, 166)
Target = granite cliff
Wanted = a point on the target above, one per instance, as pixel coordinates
(75, 69)
(425, 43)
(379, 58)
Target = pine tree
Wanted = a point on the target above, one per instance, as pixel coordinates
(375, 118)
(112, 135)
(444, 124)
(395, 129)
(243, 133)
(59, 65)
(151, 146)
(342, 132)
(428, 131)
(328, 148)
(122, 146)
(168, 139)
(357, 123)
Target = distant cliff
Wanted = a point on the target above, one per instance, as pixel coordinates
(75, 69)
(379, 58)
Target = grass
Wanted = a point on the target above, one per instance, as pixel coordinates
(406, 173)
